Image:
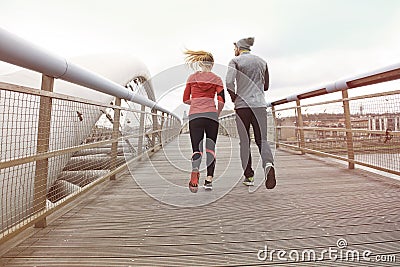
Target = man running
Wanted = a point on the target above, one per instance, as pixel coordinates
(250, 73)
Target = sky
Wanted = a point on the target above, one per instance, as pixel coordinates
(305, 42)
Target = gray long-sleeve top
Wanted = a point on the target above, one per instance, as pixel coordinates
(250, 73)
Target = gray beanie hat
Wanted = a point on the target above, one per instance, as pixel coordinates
(245, 43)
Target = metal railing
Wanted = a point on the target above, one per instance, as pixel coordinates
(56, 147)
(361, 129)
(227, 126)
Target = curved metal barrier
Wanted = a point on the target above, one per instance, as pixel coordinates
(55, 147)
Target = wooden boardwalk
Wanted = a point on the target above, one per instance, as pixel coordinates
(153, 219)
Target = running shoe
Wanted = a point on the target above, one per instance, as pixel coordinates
(270, 181)
(207, 185)
(194, 181)
(249, 181)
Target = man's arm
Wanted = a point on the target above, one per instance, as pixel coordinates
(230, 80)
(266, 78)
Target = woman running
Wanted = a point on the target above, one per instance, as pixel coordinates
(200, 91)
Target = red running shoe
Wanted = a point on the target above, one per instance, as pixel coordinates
(194, 181)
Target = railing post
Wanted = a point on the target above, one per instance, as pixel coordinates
(233, 127)
(167, 128)
(155, 128)
(232, 132)
(141, 130)
(221, 129)
(161, 127)
(349, 134)
(115, 135)
(276, 128)
(300, 127)
(164, 128)
(177, 127)
(43, 141)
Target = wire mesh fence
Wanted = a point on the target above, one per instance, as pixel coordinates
(54, 151)
(361, 129)
(228, 126)
(368, 135)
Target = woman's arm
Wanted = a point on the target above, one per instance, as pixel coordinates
(186, 94)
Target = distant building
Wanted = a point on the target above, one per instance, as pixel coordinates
(384, 122)
(287, 132)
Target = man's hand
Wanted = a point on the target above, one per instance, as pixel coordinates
(233, 96)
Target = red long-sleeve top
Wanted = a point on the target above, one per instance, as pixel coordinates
(200, 91)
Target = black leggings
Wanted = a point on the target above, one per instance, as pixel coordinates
(197, 127)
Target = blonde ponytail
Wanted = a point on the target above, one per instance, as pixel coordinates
(202, 59)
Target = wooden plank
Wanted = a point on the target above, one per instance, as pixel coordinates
(315, 203)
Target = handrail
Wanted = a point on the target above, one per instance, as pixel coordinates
(370, 137)
(388, 73)
(58, 147)
(375, 136)
(15, 50)
(22, 207)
